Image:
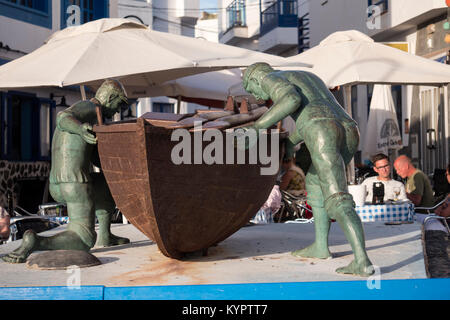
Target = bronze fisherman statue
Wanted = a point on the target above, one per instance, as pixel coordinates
(87, 195)
(331, 137)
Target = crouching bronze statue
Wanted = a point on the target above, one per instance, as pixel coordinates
(87, 195)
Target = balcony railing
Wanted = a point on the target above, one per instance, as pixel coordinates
(303, 33)
(236, 14)
(282, 13)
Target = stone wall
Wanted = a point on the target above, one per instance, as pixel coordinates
(12, 172)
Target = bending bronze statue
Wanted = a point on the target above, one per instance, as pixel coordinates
(331, 137)
(86, 194)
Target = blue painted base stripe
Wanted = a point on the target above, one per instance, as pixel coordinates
(408, 289)
(429, 289)
(53, 293)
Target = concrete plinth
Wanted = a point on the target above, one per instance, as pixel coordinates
(255, 254)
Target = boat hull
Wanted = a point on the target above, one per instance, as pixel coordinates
(183, 208)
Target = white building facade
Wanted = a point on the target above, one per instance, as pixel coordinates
(420, 27)
(27, 117)
(172, 16)
(267, 26)
(207, 27)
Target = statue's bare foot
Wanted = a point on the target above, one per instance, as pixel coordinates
(21, 254)
(363, 268)
(110, 240)
(313, 251)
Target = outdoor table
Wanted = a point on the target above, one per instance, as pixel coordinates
(390, 211)
(60, 220)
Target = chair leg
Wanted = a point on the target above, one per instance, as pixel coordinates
(446, 224)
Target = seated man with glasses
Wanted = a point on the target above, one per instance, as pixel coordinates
(383, 168)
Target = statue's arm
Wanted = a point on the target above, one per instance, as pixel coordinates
(286, 101)
(68, 120)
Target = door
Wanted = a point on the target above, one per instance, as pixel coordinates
(433, 141)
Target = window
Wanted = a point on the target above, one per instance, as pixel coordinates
(282, 13)
(236, 14)
(47, 125)
(354, 103)
(3, 126)
(89, 10)
(32, 4)
(27, 125)
(163, 107)
(37, 12)
(397, 98)
(288, 7)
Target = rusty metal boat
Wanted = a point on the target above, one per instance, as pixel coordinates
(183, 208)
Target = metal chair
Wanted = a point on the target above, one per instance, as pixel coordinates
(432, 215)
(293, 209)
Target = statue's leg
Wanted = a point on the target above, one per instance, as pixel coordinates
(104, 209)
(341, 206)
(80, 233)
(328, 142)
(319, 249)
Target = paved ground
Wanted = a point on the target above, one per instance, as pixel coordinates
(255, 254)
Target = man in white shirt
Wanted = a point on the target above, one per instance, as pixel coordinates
(382, 166)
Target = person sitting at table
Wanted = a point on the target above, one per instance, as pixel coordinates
(4, 225)
(382, 167)
(269, 208)
(444, 209)
(293, 180)
(418, 186)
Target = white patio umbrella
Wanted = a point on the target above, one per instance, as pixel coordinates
(343, 58)
(216, 85)
(122, 49)
(382, 132)
(351, 57)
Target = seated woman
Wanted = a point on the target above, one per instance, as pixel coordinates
(293, 180)
(269, 208)
(444, 209)
(4, 225)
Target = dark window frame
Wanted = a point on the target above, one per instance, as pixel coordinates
(40, 17)
(159, 107)
(282, 13)
(99, 10)
(6, 126)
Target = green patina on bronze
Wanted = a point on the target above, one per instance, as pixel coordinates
(86, 194)
(331, 137)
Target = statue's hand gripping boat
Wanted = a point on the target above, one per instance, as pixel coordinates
(182, 207)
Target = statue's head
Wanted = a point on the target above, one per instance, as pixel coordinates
(252, 78)
(112, 97)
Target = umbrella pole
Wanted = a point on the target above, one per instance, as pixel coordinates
(178, 105)
(348, 108)
(446, 126)
(83, 92)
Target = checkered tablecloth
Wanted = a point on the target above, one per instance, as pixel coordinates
(61, 220)
(386, 212)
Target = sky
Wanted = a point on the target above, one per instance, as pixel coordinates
(205, 4)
